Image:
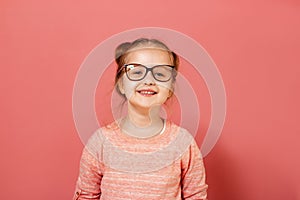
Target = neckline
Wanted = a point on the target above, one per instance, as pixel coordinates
(163, 133)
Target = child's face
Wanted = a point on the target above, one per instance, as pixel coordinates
(147, 92)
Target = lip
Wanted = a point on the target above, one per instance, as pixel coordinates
(147, 92)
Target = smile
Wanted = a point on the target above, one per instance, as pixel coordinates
(147, 92)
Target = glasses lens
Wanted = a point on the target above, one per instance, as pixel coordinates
(162, 73)
(135, 72)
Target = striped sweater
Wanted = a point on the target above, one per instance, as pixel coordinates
(116, 166)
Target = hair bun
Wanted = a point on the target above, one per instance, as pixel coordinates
(121, 49)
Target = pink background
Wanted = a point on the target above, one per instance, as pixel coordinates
(255, 45)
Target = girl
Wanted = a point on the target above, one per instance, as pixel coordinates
(142, 156)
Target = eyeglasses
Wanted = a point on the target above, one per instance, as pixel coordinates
(137, 72)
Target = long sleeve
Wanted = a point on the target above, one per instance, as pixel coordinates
(90, 175)
(193, 175)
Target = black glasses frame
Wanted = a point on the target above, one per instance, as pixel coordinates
(147, 70)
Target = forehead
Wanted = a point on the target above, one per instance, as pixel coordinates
(149, 56)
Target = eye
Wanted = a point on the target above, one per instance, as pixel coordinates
(158, 74)
(136, 72)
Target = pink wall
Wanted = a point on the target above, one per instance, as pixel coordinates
(255, 45)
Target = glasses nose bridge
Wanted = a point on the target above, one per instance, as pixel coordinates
(149, 69)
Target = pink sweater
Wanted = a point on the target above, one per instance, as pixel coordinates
(116, 166)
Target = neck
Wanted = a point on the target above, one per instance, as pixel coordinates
(143, 117)
(143, 122)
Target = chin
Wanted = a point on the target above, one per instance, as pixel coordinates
(145, 105)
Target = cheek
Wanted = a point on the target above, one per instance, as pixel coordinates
(129, 88)
(165, 94)
(165, 86)
(165, 91)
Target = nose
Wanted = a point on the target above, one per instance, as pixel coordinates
(149, 79)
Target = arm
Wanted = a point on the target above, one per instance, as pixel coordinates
(193, 174)
(90, 175)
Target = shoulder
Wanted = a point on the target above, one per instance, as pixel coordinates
(186, 140)
(102, 132)
(98, 138)
(180, 131)
(182, 140)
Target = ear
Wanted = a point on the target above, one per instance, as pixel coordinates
(171, 92)
(120, 86)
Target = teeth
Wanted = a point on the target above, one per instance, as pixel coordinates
(146, 92)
